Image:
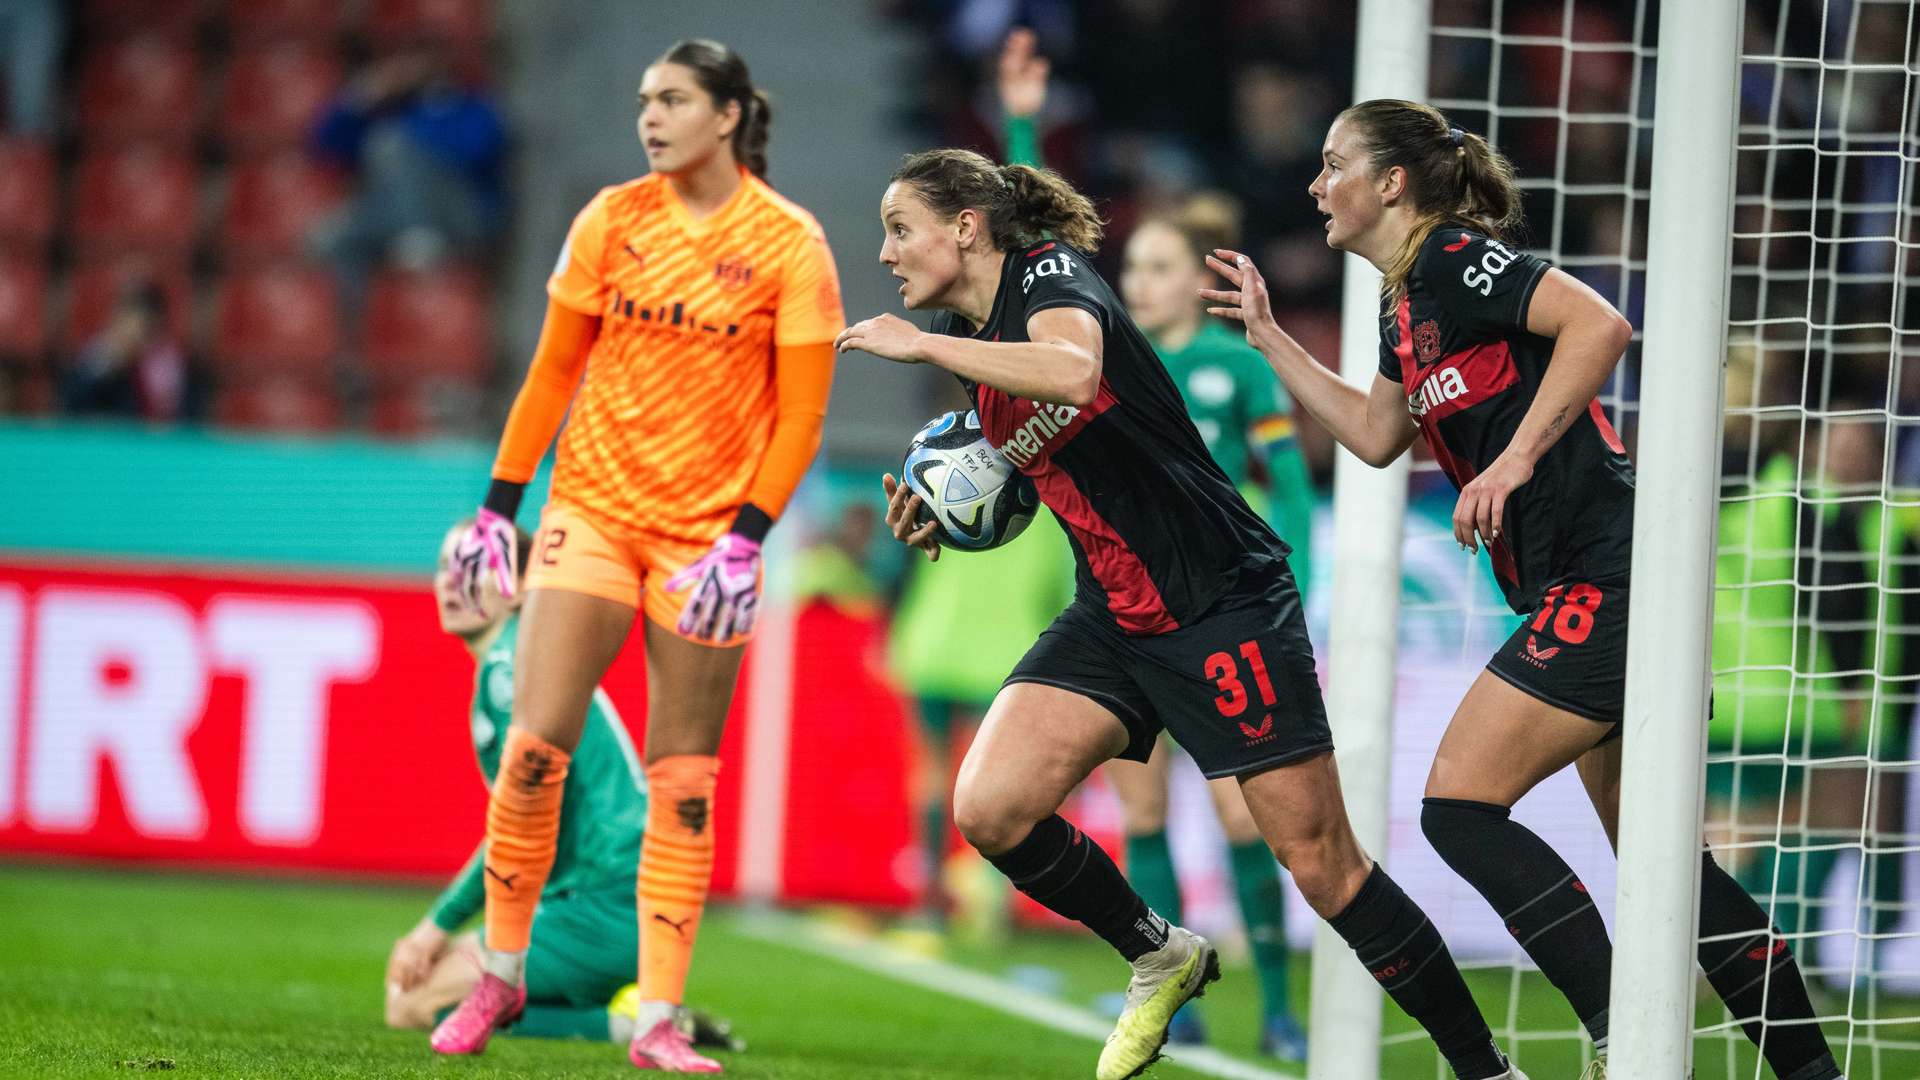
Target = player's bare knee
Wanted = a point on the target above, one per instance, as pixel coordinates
(991, 829)
(405, 1014)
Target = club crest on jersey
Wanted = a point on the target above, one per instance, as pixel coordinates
(732, 275)
(1426, 342)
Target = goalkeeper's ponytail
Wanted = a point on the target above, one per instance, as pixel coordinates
(722, 74)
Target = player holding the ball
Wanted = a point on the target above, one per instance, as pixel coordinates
(1185, 618)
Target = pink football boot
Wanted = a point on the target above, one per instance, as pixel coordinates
(664, 1046)
(492, 1005)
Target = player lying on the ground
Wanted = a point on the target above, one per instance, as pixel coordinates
(1496, 358)
(582, 964)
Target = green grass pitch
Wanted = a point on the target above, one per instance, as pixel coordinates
(109, 973)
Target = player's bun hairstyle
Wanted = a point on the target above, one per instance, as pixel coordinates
(1454, 176)
(723, 75)
(1022, 204)
(1208, 220)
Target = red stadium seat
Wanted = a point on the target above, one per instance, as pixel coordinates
(23, 306)
(96, 285)
(281, 319)
(272, 202)
(463, 22)
(277, 403)
(171, 15)
(257, 19)
(142, 86)
(427, 324)
(274, 93)
(29, 195)
(140, 196)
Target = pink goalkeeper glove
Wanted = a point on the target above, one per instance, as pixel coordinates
(488, 548)
(726, 590)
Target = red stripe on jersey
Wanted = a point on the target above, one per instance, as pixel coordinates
(1404, 347)
(1461, 381)
(1460, 471)
(1048, 246)
(1458, 244)
(1132, 596)
(1607, 434)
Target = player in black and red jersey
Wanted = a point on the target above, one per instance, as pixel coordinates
(1186, 617)
(1497, 357)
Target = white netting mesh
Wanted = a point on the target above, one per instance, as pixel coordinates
(1810, 759)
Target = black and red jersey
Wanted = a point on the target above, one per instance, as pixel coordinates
(1457, 342)
(1159, 532)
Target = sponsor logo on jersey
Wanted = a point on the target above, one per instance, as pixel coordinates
(1456, 381)
(1537, 656)
(1479, 276)
(1039, 433)
(1426, 342)
(673, 316)
(1058, 263)
(1443, 386)
(1262, 733)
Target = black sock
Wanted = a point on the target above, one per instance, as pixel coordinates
(1063, 869)
(1738, 968)
(1538, 896)
(1397, 942)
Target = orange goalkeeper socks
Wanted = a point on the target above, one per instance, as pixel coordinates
(676, 866)
(523, 827)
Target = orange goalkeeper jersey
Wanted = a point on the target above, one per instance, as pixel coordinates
(677, 405)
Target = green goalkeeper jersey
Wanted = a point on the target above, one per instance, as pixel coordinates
(604, 809)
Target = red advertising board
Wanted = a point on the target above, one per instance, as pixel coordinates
(244, 719)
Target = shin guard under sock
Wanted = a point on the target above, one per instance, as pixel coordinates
(1064, 870)
(1536, 894)
(1394, 938)
(676, 866)
(523, 829)
(1757, 977)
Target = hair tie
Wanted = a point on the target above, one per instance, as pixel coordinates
(1456, 136)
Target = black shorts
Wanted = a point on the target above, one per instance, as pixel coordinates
(1572, 651)
(1236, 688)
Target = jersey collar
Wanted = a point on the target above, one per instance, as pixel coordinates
(700, 226)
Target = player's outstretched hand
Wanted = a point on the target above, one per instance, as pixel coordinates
(1247, 302)
(1483, 502)
(901, 506)
(1023, 75)
(888, 337)
(413, 955)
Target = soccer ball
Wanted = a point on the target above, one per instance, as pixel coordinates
(975, 497)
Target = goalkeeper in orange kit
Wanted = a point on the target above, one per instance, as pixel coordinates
(690, 322)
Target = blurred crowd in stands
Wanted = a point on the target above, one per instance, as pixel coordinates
(258, 213)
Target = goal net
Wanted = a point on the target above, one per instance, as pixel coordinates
(1816, 642)
(1816, 647)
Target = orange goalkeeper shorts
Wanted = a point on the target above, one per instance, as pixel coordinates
(578, 552)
